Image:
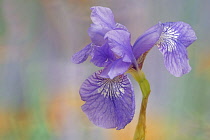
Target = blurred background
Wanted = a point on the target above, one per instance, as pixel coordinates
(39, 84)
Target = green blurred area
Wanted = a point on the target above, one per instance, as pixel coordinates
(39, 85)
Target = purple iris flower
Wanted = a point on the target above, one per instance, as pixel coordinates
(108, 93)
(172, 39)
(103, 21)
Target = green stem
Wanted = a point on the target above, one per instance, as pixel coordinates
(145, 88)
(141, 126)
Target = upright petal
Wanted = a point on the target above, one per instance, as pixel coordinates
(96, 33)
(103, 21)
(102, 16)
(146, 41)
(102, 55)
(109, 103)
(174, 40)
(115, 68)
(119, 41)
(82, 55)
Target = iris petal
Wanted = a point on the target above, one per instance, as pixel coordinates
(102, 16)
(82, 55)
(102, 56)
(175, 59)
(146, 41)
(109, 103)
(96, 33)
(119, 41)
(176, 36)
(179, 31)
(116, 68)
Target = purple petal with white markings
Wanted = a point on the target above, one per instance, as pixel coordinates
(175, 59)
(179, 32)
(174, 40)
(82, 55)
(146, 41)
(109, 103)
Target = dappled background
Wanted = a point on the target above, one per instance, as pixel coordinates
(39, 84)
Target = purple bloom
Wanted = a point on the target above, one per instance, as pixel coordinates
(103, 21)
(108, 93)
(119, 44)
(109, 102)
(172, 39)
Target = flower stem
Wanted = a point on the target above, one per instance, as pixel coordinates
(141, 126)
(145, 88)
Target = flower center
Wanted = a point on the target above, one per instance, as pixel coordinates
(168, 39)
(112, 87)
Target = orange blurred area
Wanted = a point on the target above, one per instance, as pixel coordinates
(203, 67)
(5, 126)
(156, 129)
(58, 107)
(15, 123)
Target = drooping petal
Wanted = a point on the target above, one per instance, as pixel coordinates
(102, 16)
(102, 55)
(174, 40)
(146, 41)
(109, 103)
(116, 68)
(82, 55)
(175, 59)
(179, 31)
(119, 41)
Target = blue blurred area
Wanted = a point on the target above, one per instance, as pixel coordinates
(39, 84)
